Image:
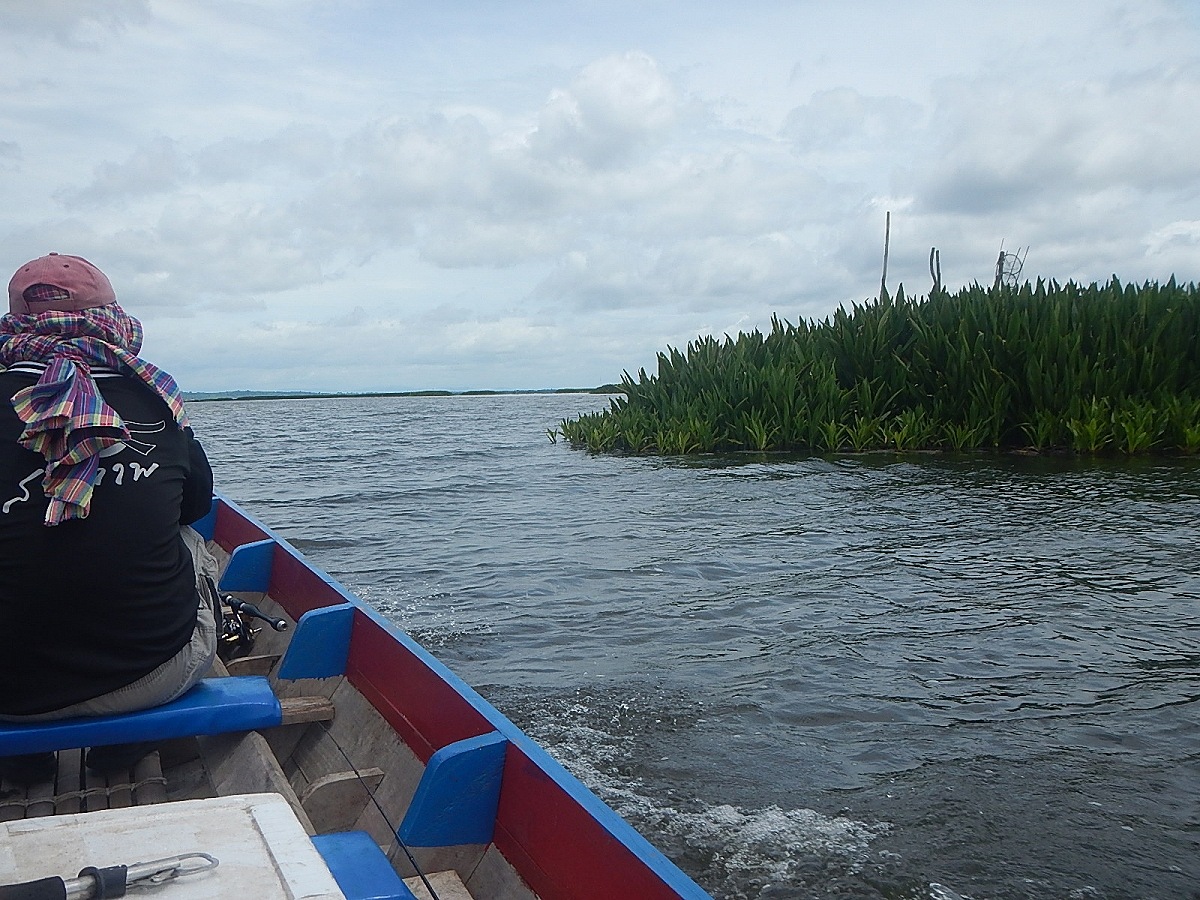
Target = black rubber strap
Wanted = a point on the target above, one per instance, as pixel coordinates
(110, 882)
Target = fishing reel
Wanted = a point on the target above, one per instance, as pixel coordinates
(237, 634)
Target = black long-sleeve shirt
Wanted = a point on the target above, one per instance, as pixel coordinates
(93, 604)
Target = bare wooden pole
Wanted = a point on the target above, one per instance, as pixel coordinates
(887, 238)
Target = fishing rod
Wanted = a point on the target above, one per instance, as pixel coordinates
(111, 881)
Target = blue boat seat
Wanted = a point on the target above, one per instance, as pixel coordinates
(214, 706)
(360, 867)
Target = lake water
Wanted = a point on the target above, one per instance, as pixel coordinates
(873, 676)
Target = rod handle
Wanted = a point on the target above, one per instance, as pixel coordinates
(254, 612)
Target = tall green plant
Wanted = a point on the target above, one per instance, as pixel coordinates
(1093, 368)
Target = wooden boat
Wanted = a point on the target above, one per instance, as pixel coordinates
(393, 774)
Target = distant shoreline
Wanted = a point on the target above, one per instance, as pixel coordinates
(220, 396)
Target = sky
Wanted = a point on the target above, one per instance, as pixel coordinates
(374, 195)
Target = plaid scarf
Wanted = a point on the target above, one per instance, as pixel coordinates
(66, 418)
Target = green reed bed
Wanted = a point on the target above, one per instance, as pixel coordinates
(1104, 368)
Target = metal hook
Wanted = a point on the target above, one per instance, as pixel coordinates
(160, 870)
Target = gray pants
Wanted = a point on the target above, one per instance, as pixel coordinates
(177, 674)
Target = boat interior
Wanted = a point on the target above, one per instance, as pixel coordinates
(407, 781)
(339, 764)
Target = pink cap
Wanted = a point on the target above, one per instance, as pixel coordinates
(85, 285)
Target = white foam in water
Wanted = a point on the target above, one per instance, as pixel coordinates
(429, 623)
(772, 841)
(941, 892)
(765, 844)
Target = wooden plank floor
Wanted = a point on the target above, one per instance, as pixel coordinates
(447, 884)
(75, 788)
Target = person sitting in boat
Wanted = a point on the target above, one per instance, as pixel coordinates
(107, 599)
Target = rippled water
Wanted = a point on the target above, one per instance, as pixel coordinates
(879, 676)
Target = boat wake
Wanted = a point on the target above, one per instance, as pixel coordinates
(429, 619)
(734, 852)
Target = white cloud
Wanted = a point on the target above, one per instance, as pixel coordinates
(70, 22)
(612, 109)
(1174, 247)
(841, 119)
(1005, 147)
(153, 169)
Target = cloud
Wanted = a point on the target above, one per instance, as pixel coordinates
(1175, 246)
(457, 239)
(841, 119)
(1001, 146)
(355, 348)
(67, 21)
(156, 168)
(298, 150)
(616, 106)
(461, 190)
(701, 274)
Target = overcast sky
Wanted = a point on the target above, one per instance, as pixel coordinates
(385, 195)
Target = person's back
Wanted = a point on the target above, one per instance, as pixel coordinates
(93, 604)
(101, 606)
